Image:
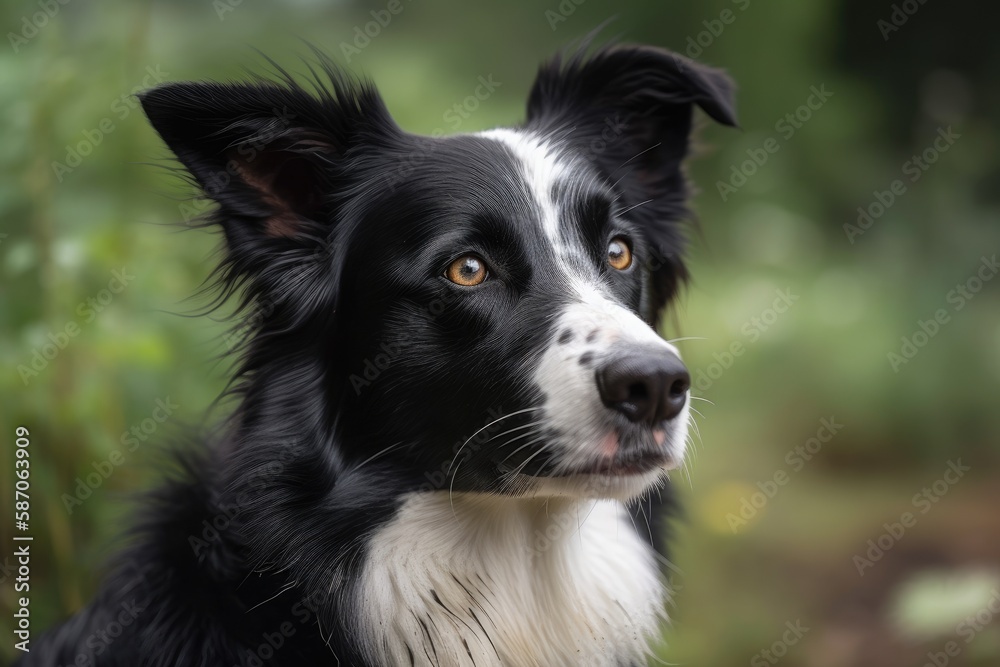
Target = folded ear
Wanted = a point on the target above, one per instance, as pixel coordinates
(268, 154)
(628, 109)
(647, 92)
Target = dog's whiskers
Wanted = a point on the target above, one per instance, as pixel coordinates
(633, 206)
(516, 428)
(682, 338)
(514, 473)
(645, 150)
(285, 588)
(377, 454)
(454, 475)
(525, 445)
(694, 423)
(495, 421)
(540, 439)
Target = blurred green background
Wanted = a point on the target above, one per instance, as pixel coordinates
(775, 537)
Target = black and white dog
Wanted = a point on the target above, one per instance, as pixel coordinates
(453, 399)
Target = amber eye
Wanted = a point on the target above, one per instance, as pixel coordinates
(619, 254)
(467, 271)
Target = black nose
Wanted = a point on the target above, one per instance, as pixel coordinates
(645, 386)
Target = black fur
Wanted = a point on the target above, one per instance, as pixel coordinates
(364, 368)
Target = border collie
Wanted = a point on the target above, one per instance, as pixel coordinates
(453, 402)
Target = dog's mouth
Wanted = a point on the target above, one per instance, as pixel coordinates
(619, 467)
(615, 456)
(622, 466)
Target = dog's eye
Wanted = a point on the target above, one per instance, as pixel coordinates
(619, 254)
(467, 271)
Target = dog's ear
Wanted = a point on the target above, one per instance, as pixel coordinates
(268, 154)
(628, 109)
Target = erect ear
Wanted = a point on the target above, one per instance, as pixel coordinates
(628, 109)
(268, 154)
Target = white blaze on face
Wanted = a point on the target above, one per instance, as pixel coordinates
(543, 167)
(591, 329)
(596, 324)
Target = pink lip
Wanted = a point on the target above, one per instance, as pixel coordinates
(607, 463)
(609, 445)
(609, 467)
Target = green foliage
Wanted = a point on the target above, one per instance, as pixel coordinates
(68, 228)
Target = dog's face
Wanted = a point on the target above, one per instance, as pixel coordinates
(481, 307)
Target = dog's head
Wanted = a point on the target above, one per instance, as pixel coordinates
(478, 310)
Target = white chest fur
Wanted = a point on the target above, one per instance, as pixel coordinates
(514, 583)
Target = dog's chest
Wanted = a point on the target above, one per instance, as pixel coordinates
(508, 583)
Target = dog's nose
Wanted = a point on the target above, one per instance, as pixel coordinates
(644, 386)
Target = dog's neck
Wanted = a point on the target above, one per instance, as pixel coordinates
(482, 580)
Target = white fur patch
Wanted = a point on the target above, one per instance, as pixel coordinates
(542, 170)
(543, 166)
(572, 404)
(499, 581)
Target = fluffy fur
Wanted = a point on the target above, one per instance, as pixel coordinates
(421, 472)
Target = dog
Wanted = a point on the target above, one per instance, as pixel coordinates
(453, 405)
